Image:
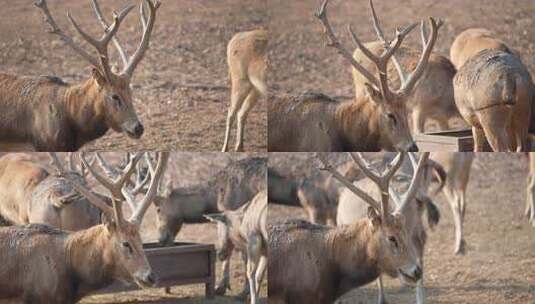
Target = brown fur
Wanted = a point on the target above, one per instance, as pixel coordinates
(432, 97)
(494, 93)
(314, 122)
(247, 62)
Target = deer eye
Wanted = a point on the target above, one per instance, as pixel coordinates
(117, 100)
(393, 241)
(128, 247)
(392, 119)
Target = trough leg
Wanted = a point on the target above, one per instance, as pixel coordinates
(209, 287)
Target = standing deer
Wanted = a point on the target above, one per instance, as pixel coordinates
(377, 121)
(472, 41)
(317, 264)
(67, 266)
(432, 97)
(247, 62)
(351, 209)
(47, 114)
(493, 91)
(246, 230)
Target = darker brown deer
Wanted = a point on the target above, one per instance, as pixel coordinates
(46, 114)
(67, 266)
(317, 264)
(377, 121)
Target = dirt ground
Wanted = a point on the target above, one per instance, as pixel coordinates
(499, 265)
(180, 88)
(185, 169)
(301, 62)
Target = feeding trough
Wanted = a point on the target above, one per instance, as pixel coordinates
(448, 141)
(180, 264)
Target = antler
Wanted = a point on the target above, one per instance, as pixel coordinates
(156, 176)
(380, 61)
(415, 181)
(91, 197)
(147, 25)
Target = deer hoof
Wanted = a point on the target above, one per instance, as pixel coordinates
(461, 250)
(221, 290)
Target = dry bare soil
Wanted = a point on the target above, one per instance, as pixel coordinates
(301, 62)
(499, 265)
(180, 88)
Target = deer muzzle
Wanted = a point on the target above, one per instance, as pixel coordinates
(146, 279)
(134, 130)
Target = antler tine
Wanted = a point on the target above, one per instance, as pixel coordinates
(145, 40)
(102, 44)
(424, 33)
(363, 195)
(105, 26)
(70, 162)
(115, 186)
(137, 216)
(386, 43)
(108, 170)
(322, 16)
(407, 87)
(91, 197)
(415, 181)
(41, 4)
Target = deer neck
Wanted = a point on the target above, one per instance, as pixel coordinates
(358, 122)
(85, 110)
(355, 252)
(90, 258)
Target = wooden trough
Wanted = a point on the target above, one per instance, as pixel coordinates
(180, 264)
(448, 141)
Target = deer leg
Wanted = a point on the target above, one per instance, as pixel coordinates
(245, 289)
(381, 295)
(239, 92)
(254, 244)
(224, 284)
(260, 272)
(455, 203)
(249, 103)
(530, 203)
(479, 139)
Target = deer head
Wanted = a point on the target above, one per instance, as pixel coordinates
(123, 243)
(110, 90)
(391, 104)
(397, 253)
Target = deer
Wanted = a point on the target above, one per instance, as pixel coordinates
(45, 113)
(351, 209)
(311, 263)
(375, 122)
(493, 91)
(432, 97)
(474, 40)
(247, 63)
(245, 229)
(66, 266)
(530, 191)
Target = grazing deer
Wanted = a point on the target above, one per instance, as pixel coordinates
(351, 209)
(432, 97)
(317, 264)
(19, 176)
(530, 191)
(472, 41)
(377, 121)
(246, 230)
(494, 93)
(48, 114)
(64, 267)
(247, 62)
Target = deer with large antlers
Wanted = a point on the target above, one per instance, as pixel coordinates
(377, 121)
(432, 97)
(67, 266)
(494, 92)
(317, 264)
(46, 114)
(247, 63)
(351, 209)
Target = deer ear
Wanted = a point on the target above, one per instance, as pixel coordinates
(374, 217)
(216, 217)
(375, 95)
(99, 78)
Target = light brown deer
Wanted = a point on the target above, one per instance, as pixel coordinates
(245, 229)
(375, 122)
(247, 63)
(474, 40)
(47, 114)
(530, 191)
(494, 93)
(351, 209)
(432, 97)
(317, 264)
(45, 265)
